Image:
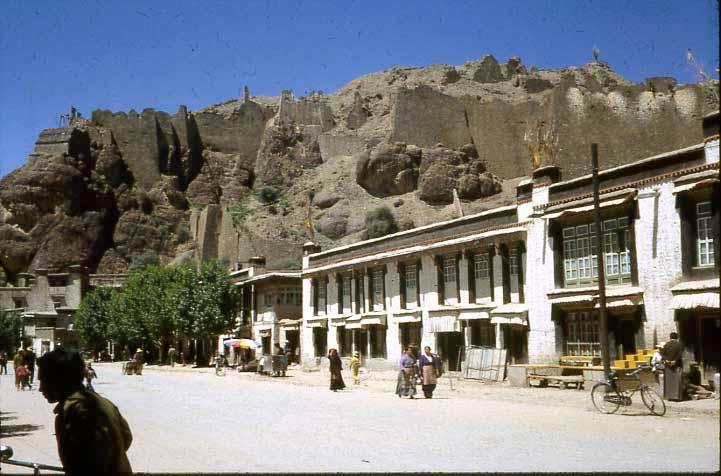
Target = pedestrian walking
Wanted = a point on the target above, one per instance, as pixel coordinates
(3, 362)
(17, 363)
(139, 359)
(90, 374)
(21, 377)
(29, 360)
(92, 436)
(408, 370)
(673, 369)
(430, 369)
(354, 365)
(336, 378)
(171, 356)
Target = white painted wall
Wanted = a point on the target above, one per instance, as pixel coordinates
(656, 275)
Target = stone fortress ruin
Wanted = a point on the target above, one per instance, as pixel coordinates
(235, 180)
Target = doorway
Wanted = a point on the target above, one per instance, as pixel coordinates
(360, 342)
(292, 344)
(516, 343)
(710, 358)
(450, 347)
(483, 333)
(410, 333)
(320, 341)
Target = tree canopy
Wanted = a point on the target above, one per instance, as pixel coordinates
(158, 302)
(11, 325)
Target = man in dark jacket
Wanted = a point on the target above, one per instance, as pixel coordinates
(673, 370)
(30, 362)
(92, 436)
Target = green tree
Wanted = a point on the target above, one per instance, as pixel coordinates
(148, 311)
(206, 301)
(96, 312)
(11, 328)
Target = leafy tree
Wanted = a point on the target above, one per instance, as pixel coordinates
(97, 310)
(11, 328)
(148, 309)
(206, 301)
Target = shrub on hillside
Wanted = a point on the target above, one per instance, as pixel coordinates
(380, 222)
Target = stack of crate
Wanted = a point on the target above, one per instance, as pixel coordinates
(632, 361)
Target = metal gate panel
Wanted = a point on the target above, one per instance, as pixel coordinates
(485, 363)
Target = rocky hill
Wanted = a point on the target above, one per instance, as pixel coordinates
(233, 180)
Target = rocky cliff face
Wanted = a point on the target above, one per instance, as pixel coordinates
(234, 180)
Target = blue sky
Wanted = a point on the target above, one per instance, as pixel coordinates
(121, 55)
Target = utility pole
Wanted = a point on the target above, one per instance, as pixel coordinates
(605, 356)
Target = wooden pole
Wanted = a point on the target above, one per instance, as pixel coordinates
(605, 356)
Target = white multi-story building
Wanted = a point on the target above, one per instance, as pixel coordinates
(525, 276)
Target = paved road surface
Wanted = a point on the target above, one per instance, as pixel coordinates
(192, 421)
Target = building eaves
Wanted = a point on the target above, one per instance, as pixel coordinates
(500, 230)
(419, 230)
(602, 173)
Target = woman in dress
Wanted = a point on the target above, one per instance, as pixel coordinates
(408, 370)
(430, 369)
(336, 379)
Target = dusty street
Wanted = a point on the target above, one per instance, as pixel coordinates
(194, 421)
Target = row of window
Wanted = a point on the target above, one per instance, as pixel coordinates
(580, 252)
(580, 249)
(291, 296)
(481, 270)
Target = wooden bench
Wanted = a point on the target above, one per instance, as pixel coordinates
(562, 380)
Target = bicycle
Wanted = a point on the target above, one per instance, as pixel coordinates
(607, 398)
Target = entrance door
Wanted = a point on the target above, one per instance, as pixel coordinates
(320, 341)
(293, 343)
(516, 342)
(360, 339)
(626, 336)
(450, 346)
(411, 333)
(483, 333)
(710, 351)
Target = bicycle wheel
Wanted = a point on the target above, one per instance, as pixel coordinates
(653, 401)
(605, 398)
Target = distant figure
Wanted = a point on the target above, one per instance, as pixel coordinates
(90, 374)
(336, 378)
(673, 366)
(92, 436)
(171, 356)
(354, 365)
(29, 360)
(21, 377)
(3, 362)
(17, 363)
(139, 359)
(408, 370)
(596, 53)
(430, 369)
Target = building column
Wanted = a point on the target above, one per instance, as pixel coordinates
(499, 336)
(497, 275)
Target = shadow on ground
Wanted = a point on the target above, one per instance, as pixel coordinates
(8, 431)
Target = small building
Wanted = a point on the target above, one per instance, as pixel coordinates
(524, 277)
(270, 306)
(48, 300)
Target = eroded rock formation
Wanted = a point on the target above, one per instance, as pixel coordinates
(104, 191)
